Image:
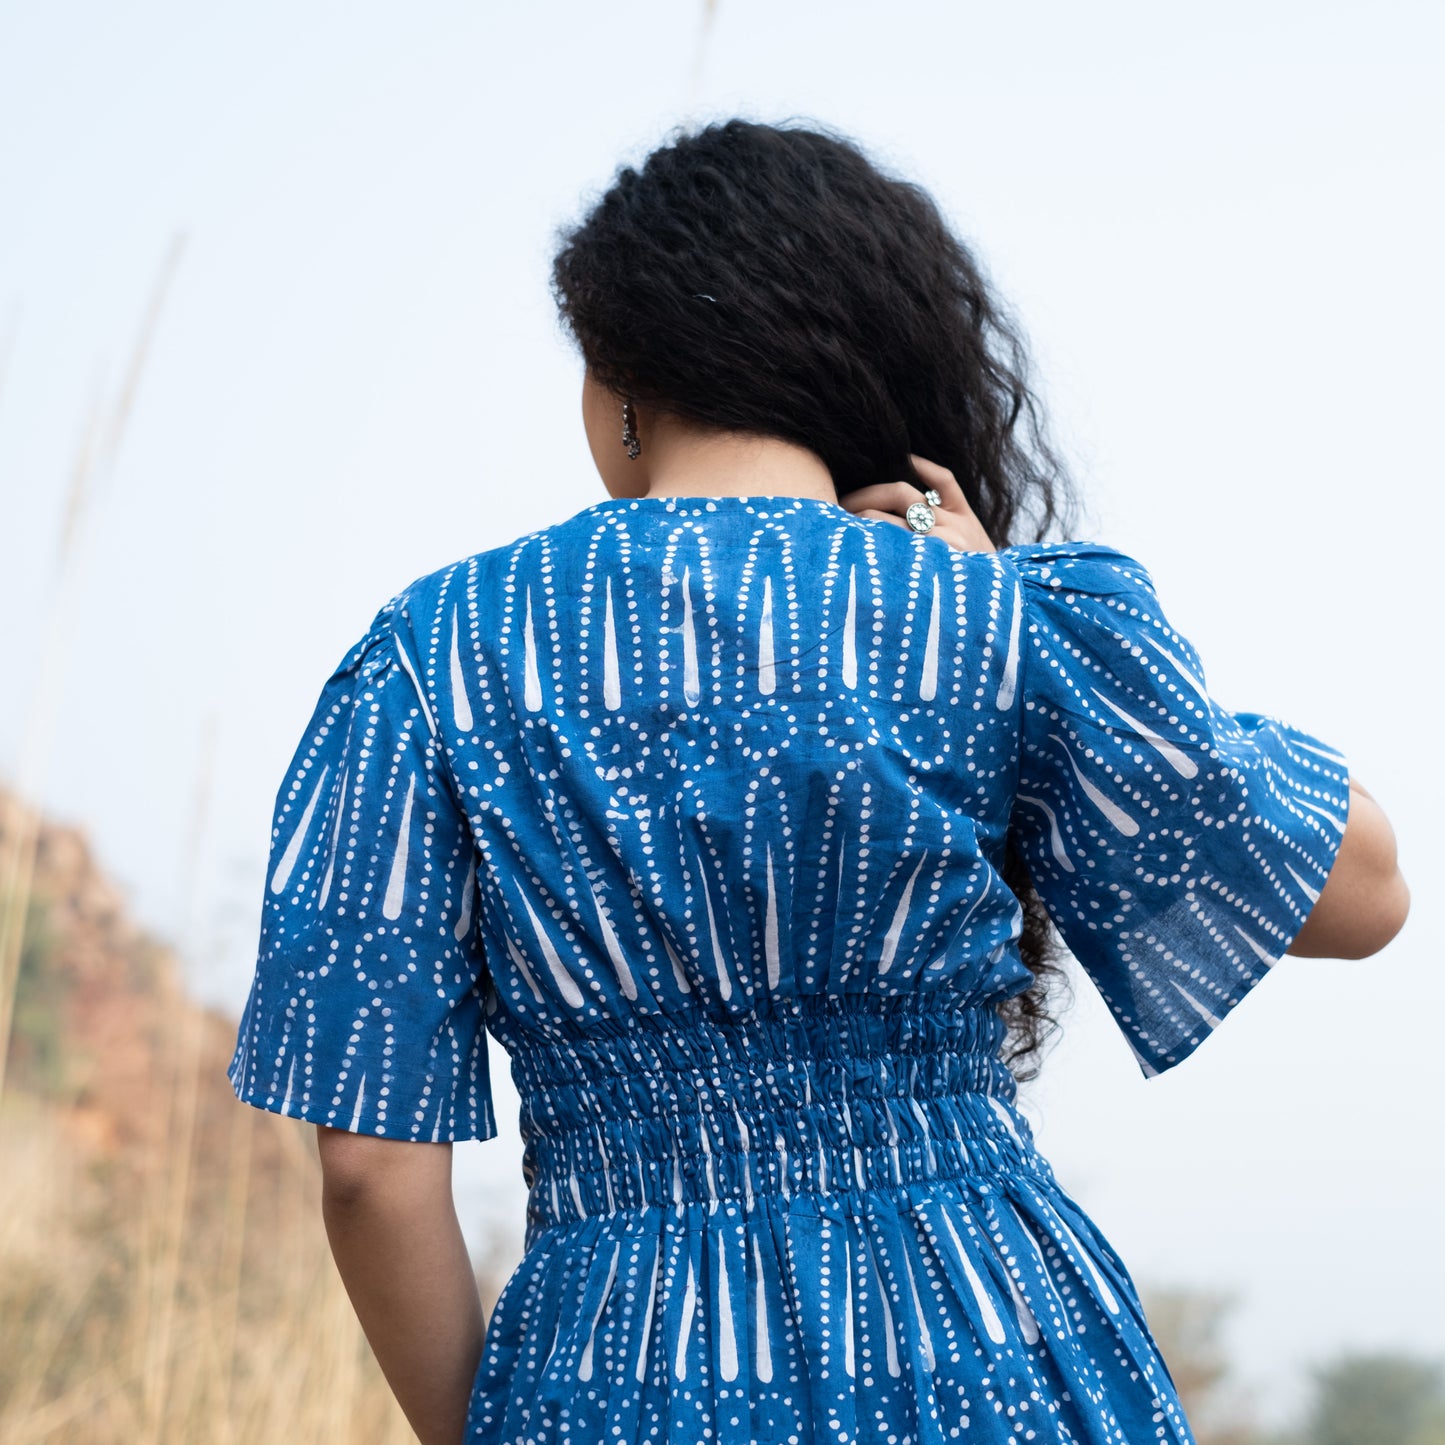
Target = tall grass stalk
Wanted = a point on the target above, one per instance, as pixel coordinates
(7, 346)
(184, 1087)
(95, 460)
(233, 1242)
(699, 57)
(173, 1187)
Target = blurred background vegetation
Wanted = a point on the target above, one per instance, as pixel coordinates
(164, 1273)
(1363, 1398)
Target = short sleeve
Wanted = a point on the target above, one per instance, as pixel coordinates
(366, 1009)
(1177, 846)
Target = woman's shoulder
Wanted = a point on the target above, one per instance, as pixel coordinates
(1094, 595)
(1077, 567)
(464, 586)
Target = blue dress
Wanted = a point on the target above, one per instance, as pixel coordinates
(697, 807)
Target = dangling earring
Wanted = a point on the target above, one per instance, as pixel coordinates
(629, 431)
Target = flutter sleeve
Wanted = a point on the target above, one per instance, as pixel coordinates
(1178, 846)
(365, 1012)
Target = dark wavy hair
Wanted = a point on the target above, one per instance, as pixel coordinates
(772, 280)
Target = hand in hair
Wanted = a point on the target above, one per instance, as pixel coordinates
(887, 502)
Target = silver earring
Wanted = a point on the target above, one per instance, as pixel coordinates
(629, 431)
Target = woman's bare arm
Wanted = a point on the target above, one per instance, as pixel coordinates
(1364, 902)
(397, 1244)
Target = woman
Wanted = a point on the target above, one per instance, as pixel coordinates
(735, 808)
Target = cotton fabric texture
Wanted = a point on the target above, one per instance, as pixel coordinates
(697, 807)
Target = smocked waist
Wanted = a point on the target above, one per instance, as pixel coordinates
(817, 1095)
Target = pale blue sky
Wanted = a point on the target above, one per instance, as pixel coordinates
(1221, 228)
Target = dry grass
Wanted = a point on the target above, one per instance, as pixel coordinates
(159, 1324)
(164, 1273)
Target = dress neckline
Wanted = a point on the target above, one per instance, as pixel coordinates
(765, 504)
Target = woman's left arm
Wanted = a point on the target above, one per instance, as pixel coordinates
(399, 1249)
(1364, 902)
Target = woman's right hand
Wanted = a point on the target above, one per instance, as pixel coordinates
(888, 501)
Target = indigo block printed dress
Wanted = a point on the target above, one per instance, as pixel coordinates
(696, 808)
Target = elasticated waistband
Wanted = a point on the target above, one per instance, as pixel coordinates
(818, 1095)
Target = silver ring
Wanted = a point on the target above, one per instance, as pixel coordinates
(920, 516)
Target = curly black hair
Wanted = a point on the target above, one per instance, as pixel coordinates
(773, 280)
